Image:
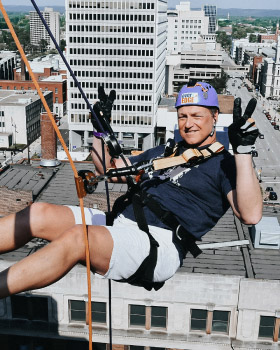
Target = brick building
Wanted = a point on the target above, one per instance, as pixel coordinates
(268, 38)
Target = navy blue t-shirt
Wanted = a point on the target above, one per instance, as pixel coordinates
(196, 195)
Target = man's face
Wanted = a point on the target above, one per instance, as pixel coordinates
(195, 125)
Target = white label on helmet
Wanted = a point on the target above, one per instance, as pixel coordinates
(189, 97)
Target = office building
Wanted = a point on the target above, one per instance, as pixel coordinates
(20, 116)
(211, 12)
(186, 26)
(120, 45)
(38, 31)
(7, 64)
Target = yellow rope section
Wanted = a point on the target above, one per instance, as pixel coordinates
(79, 184)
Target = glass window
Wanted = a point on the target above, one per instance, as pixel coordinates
(198, 319)
(159, 316)
(98, 312)
(136, 347)
(77, 310)
(31, 308)
(137, 315)
(220, 321)
(266, 327)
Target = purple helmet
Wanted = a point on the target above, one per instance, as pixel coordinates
(201, 94)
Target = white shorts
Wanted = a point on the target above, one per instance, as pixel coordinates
(132, 246)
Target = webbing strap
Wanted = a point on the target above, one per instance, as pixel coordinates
(189, 156)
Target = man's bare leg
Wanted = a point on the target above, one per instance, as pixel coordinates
(52, 262)
(42, 220)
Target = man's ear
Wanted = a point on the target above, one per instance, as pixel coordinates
(215, 116)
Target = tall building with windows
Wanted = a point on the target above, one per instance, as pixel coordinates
(38, 31)
(186, 26)
(211, 12)
(120, 45)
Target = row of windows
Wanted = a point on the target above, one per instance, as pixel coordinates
(115, 41)
(148, 317)
(98, 40)
(119, 75)
(189, 20)
(110, 17)
(123, 86)
(110, 29)
(120, 97)
(111, 52)
(112, 5)
(130, 108)
(116, 119)
(112, 63)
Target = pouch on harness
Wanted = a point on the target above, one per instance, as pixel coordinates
(144, 275)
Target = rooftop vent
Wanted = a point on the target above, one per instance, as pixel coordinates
(266, 234)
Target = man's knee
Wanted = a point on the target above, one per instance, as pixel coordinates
(74, 238)
(40, 215)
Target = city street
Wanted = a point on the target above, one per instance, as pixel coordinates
(267, 163)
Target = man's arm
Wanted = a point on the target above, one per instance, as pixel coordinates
(110, 162)
(246, 199)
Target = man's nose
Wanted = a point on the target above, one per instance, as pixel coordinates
(189, 122)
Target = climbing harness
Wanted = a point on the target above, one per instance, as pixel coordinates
(139, 199)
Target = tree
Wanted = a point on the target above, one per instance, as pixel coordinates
(62, 44)
(43, 45)
(224, 40)
(252, 38)
(220, 83)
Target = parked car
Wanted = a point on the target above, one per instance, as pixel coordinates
(269, 189)
(273, 123)
(255, 153)
(268, 117)
(264, 111)
(273, 196)
(261, 136)
(276, 127)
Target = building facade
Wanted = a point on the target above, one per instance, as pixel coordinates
(7, 64)
(270, 75)
(20, 115)
(120, 45)
(192, 65)
(211, 12)
(185, 26)
(38, 31)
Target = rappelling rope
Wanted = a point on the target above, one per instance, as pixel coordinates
(78, 180)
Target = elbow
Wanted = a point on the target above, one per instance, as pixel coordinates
(252, 219)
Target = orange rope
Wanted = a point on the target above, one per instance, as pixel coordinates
(23, 56)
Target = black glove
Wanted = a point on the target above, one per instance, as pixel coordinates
(243, 132)
(103, 109)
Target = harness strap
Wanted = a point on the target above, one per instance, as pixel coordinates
(191, 155)
(185, 239)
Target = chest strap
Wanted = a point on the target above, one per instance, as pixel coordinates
(191, 155)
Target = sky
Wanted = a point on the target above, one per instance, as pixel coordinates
(248, 4)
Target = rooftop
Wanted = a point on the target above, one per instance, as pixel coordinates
(11, 97)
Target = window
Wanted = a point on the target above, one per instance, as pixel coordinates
(159, 316)
(210, 321)
(148, 316)
(269, 327)
(78, 311)
(137, 315)
(30, 308)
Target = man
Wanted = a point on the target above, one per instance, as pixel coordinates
(195, 197)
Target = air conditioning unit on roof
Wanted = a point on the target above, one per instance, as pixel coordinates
(266, 234)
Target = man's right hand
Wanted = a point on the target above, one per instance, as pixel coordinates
(103, 109)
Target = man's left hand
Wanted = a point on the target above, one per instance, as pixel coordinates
(243, 131)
